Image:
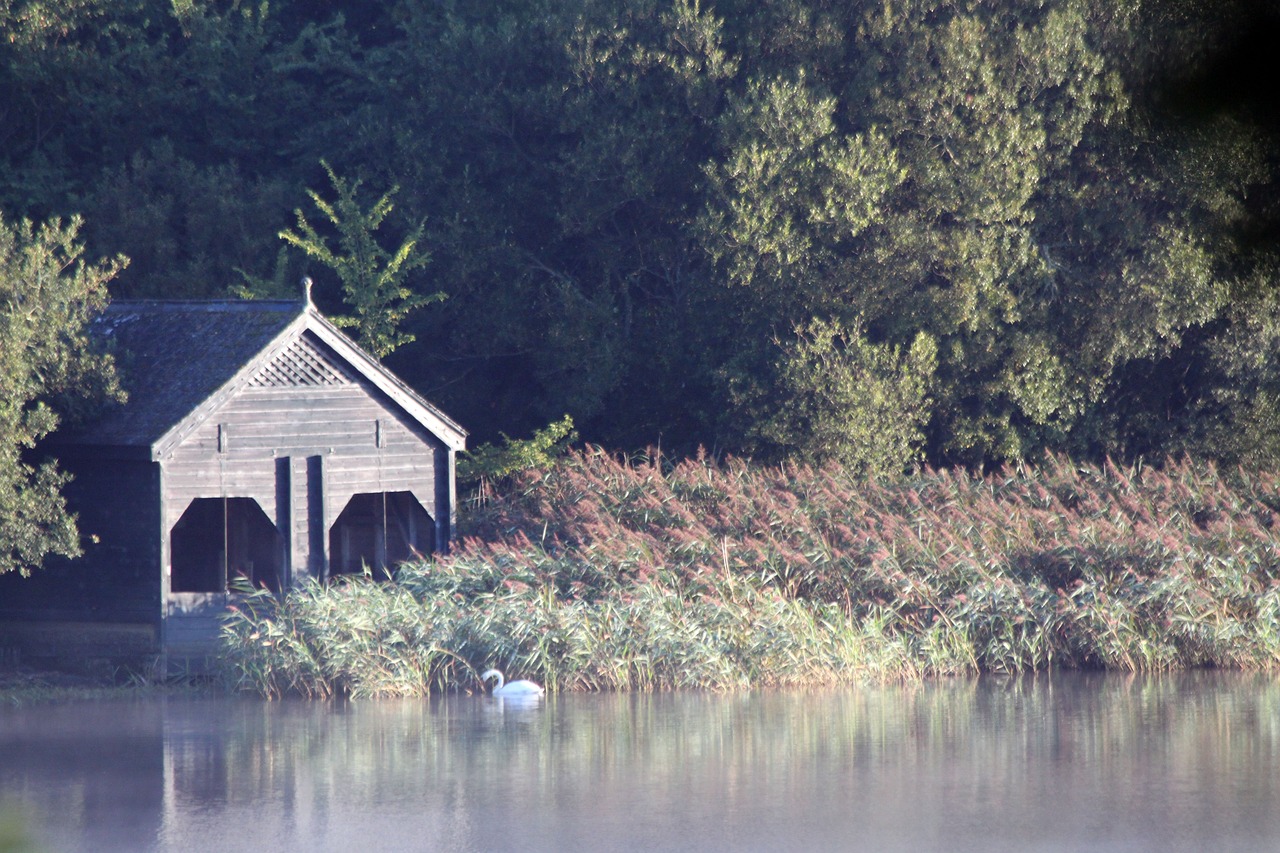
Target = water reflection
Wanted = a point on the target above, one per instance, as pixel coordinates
(1076, 762)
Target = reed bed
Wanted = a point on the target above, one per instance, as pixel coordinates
(603, 573)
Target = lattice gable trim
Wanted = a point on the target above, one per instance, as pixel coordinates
(301, 364)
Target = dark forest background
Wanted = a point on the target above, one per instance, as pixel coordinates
(883, 232)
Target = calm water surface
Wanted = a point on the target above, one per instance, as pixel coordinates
(1187, 762)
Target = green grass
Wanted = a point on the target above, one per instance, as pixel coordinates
(607, 574)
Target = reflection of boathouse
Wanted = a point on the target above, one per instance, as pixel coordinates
(258, 442)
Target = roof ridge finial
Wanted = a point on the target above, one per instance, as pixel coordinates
(306, 291)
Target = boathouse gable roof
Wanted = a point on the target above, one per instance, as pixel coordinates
(180, 361)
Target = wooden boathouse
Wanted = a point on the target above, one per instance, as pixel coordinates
(258, 442)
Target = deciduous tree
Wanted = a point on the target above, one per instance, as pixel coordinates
(48, 371)
(374, 280)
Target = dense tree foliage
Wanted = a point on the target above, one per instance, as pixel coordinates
(962, 232)
(47, 371)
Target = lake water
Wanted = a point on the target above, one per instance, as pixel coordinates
(1185, 762)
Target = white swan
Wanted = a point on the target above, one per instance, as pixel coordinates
(515, 688)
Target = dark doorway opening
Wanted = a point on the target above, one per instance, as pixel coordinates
(221, 538)
(377, 531)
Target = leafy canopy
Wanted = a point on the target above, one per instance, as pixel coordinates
(48, 370)
(645, 210)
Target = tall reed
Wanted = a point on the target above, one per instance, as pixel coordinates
(636, 574)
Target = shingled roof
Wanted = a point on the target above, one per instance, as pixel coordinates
(173, 357)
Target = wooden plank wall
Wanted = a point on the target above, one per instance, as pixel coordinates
(329, 434)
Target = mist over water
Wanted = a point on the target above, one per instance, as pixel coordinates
(1180, 762)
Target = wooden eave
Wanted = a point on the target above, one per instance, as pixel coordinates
(310, 320)
(431, 418)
